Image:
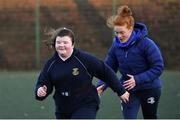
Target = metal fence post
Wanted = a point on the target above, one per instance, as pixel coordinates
(113, 12)
(37, 32)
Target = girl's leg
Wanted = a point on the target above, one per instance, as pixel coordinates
(131, 108)
(61, 116)
(85, 113)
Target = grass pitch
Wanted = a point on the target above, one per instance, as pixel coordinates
(17, 98)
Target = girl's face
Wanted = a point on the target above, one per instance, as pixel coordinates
(122, 32)
(64, 46)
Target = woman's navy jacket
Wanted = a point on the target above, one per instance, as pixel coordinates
(72, 80)
(140, 57)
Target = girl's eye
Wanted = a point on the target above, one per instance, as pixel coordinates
(116, 32)
(58, 42)
(65, 42)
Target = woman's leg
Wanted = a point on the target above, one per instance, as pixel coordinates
(149, 103)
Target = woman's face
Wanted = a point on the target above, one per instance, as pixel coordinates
(122, 32)
(64, 46)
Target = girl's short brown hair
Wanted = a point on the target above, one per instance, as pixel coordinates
(63, 31)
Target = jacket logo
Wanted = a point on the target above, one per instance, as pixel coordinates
(75, 71)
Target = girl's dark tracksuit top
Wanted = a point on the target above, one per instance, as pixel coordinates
(139, 57)
(72, 80)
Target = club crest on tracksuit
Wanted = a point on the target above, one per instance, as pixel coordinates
(75, 71)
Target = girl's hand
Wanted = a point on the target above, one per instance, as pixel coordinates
(100, 89)
(42, 91)
(125, 97)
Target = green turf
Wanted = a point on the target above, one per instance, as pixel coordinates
(17, 98)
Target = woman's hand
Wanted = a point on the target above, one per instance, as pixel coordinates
(42, 91)
(125, 97)
(129, 84)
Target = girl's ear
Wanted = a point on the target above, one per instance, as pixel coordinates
(132, 27)
(73, 44)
